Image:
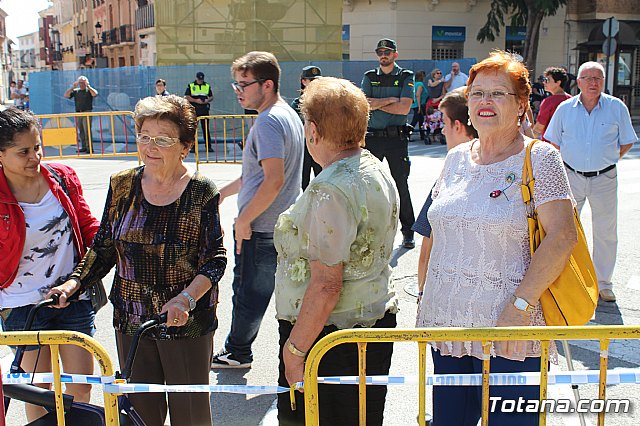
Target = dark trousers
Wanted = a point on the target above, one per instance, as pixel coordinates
(394, 147)
(307, 165)
(339, 403)
(83, 131)
(462, 405)
(253, 284)
(204, 125)
(418, 118)
(171, 362)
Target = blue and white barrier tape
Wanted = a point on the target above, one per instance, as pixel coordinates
(22, 378)
(614, 377)
(239, 389)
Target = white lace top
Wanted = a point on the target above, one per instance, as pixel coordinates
(480, 249)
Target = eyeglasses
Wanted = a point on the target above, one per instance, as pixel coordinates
(161, 141)
(496, 95)
(239, 87)
(438, 72)
(544, 79)
(591, 79)
(384, 52)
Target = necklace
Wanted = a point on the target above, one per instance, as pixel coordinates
(37, 197)
(499, 155)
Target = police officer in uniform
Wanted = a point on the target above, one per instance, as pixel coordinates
(199, 94)
(309, 73)
(389, 89)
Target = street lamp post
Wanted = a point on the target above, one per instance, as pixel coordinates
(98, 36)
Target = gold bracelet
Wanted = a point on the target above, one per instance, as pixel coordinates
(292, 348)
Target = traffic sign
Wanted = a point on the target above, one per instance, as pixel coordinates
(615, 27)
(609, 46)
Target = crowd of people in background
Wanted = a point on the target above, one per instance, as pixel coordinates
(325, 251)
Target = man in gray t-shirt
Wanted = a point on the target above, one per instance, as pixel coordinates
(270, 183)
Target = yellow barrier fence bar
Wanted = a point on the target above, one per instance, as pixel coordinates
(484, 335)
(604, 364)
(486, 370)
(228, 131)
(58, 133)
(362, 381)
(57, 386)
(422, 383)
(54, 338)
(544, 376)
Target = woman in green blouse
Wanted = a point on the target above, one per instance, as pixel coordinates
(334, 245)
(161, 230)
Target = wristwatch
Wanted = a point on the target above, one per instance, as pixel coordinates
(521, 304)
(192, 301)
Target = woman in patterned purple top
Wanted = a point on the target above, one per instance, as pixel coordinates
(161, 230)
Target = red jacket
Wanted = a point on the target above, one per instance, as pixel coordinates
(12, 223)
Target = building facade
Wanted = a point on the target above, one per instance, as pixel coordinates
(118, 36)
(5, 58)
(445, 29)
(116, 33)
(28, 54)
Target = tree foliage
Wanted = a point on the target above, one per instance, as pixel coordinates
(529, 13)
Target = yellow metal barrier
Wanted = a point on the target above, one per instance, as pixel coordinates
(227, 134)
(56, 338)
(422, 336)
(115, 132)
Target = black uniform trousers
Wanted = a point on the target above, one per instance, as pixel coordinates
(307, 165)
(392, 144)
(204, 125)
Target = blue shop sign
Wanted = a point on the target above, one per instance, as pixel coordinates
(346, 32)
(448, 33)
(516, 33)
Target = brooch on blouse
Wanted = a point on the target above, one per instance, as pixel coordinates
(509, 179)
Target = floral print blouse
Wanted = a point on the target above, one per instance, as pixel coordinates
(348, 214)
(157, 252)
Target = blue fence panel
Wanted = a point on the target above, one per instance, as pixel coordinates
(120, 88)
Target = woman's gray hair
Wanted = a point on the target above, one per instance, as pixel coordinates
(171, 108)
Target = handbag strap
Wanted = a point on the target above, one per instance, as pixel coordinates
(528, 180)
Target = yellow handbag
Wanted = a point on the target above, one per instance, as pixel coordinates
(573, 296)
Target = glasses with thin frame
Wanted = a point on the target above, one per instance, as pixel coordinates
(241, 86)
(161, 141)
(591, 79)
(496, 95)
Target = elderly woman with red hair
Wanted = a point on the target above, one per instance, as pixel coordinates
(481, 272)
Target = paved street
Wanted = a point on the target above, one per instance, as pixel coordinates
(401, 408)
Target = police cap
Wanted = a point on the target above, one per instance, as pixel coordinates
(387, 43)
(311, 72)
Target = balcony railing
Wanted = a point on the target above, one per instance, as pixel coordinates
(126, 33)
(121, 34)
(145, 17)
(110, 37)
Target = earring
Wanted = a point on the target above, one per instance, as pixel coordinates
(469, 121)
(311, 140)
(519, 121)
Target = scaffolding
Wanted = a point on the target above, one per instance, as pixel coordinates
(218, 31)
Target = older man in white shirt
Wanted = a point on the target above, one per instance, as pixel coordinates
(593, 131)
(455, 78)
